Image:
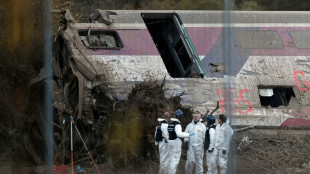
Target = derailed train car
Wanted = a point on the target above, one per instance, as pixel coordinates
(268, 81)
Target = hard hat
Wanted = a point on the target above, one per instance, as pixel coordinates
(178, 113)
(211, 119)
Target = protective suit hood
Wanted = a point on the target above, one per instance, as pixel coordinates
(160, 119)
(175, 119)
(195, 151)
(200, 120)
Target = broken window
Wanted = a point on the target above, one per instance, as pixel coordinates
(275, 96)
(101, 39)
(173, 44)
(301, 39)
(250, 39)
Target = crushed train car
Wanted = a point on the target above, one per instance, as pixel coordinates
(116, 49)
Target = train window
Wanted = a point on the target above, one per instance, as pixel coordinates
(259, 39)
(275, 96)
(101, 39)
(301, 39)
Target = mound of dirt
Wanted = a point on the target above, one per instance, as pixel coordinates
(131, 135)
(123, 132)
(273, 154)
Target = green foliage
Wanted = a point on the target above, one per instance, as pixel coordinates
(249, 5)
(124, 135)
(182, 5)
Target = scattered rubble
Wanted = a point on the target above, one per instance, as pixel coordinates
(273, 154)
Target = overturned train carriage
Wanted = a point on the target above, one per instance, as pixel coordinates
(267, 82)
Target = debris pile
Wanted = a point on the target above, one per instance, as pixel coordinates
(123, 131)
(274, 154)
(131, 135)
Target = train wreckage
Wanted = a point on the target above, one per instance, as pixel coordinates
(117, 49)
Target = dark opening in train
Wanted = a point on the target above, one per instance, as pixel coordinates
(275, 96)
(173, 44)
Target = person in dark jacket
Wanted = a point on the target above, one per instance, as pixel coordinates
(209, 143)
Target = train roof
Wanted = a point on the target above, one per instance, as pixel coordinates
(213, 17)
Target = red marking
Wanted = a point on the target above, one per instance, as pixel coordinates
(62, 169)
(246, 101)
(305, 82)
(231, 93)
(296, 122)
(234, 101)
(302, 113)
(222, 102)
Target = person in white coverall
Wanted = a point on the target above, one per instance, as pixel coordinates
(195, 145)
(175, 143)
(223, 134)
(209, 144)
(163, 143)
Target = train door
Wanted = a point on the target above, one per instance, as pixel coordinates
(174, 44)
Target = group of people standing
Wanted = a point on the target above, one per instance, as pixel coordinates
(198, 137)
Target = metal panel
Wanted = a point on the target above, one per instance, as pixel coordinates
(259, 39)
(301, 39)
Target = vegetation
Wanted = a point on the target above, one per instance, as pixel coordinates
(80, 8)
